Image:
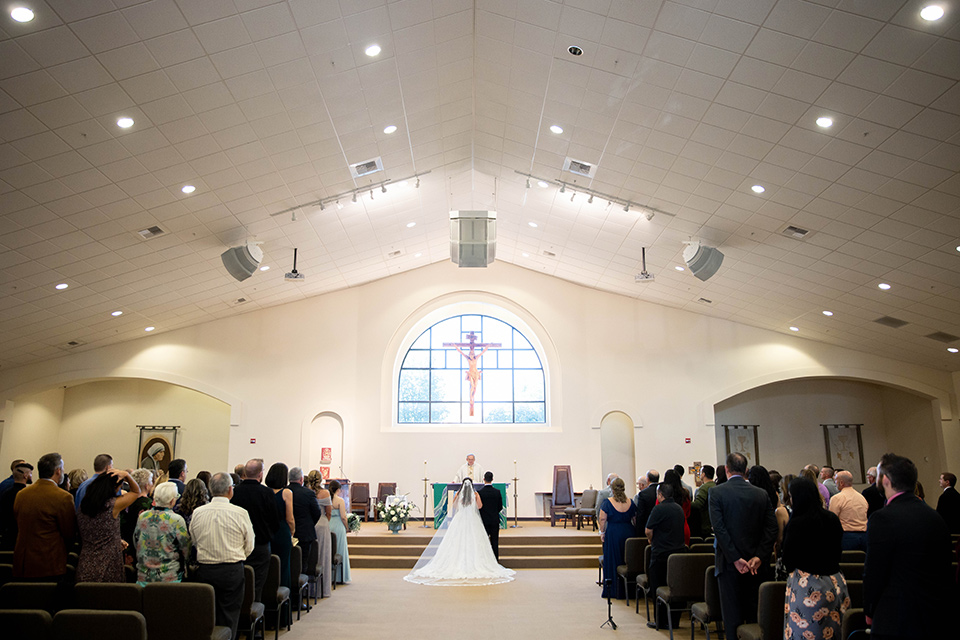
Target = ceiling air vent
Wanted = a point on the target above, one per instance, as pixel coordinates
(549, 254)
(705, 301)
(366, 167)
(945, 338)
(72, 344)
(578, 167)
(794, 232)
(893, 323)
(393, 254)
(151, 232)
(240, 301)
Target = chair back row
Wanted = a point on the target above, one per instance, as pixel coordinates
(74, 624)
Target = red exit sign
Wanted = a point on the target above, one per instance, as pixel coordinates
(686, 441)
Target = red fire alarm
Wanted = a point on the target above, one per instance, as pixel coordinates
(686, 441)
(254, 440)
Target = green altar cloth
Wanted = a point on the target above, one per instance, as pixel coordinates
(441, 491)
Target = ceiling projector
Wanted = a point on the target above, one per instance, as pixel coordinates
(644, 276)
(294, 275)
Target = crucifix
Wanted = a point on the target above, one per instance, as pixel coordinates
(473, 374)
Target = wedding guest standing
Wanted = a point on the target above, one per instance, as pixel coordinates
(161, 539)
(324, 553)
(261, 506)
(101, 547)
(47, 521)
(617, 515)
(338, 526)
(281, 544)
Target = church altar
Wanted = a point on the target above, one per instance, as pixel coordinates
(441, 494)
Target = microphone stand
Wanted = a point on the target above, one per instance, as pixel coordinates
(425, 480)
(516, 522)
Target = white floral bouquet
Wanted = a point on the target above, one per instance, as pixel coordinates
(353, 523)
(395, 510)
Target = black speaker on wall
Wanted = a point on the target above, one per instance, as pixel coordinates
(242, 262)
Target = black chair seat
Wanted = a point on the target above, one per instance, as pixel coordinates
(283, 594)
(220, 633)
(76, 624)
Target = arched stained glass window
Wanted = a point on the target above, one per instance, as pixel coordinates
(437, 385)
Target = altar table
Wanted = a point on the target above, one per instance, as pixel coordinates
(442, 490)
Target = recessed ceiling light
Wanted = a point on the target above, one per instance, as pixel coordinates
(22, 14)
(952, 349)
(556, 128)
(532, 224)
(575, 50)
(526, 255)
(392, 128)
(417, 255)
(757, 188)
(61, 286)
(149, 328)
(411, 225)
(794, 328)
(265, 267)
(828, 313)
(824, 122)
(543, 185)
(931, 12)
(116, 314)
(679, 268)
(884, 286)
(125, 123)
(372, 50)
(188, 188)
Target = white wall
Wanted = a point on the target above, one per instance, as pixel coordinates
(278, 368)
(32, 428)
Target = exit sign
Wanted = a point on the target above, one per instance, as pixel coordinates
(686, 441)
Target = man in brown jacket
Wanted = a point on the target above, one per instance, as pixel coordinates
(47, 521)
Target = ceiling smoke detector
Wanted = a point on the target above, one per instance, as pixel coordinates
(644, 276)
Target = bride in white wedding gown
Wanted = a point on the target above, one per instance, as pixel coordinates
(460, 553)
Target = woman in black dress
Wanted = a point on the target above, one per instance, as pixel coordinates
(617, 515)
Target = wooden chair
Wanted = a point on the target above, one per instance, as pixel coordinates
(769, 614)
(709, 610)
(588, 508)
(563, 495)
(685, 583)
(360, 499)
(633, 552)
(251, 613)
(385, 489)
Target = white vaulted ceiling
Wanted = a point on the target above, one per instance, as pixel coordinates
(682, 106)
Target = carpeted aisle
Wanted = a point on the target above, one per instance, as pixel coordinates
(564, 603)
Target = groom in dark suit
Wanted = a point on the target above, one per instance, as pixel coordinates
(490, 512)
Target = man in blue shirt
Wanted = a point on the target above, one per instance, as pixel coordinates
(6, 484)
(103, 462)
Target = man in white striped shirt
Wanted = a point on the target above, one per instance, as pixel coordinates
(223, 536)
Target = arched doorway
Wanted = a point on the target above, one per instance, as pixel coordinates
(326, 432)
(616, 446)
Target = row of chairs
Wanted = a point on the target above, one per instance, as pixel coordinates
(360, 501)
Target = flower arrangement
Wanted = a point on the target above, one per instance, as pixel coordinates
(395, 510)
(353, 523)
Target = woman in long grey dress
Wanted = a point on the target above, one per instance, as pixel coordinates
(324, 557)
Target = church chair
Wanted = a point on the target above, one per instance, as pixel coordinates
(314, 571)
(643, 581)
(336, 563)
(193, 603)
(251, 613)
(301, 579)
(35, 624)
(276, 598)
(695, 540)
(563, 495)
(853, 620)
(78, 624)
(113, 596)
(633, 553)
(6, 557)
(855, 589)
(129, 574)
(6, 574)
(769, 614)
(685, 584)
(48, 596)
(852, 570)
(360, 499)
(853, 556)
(701, 547)
(709, 610)
(587, 509)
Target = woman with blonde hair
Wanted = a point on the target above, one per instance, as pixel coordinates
(616, 525)
(324, 554)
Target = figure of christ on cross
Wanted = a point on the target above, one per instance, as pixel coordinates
(473, 374)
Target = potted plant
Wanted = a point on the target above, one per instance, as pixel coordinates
(395, 511)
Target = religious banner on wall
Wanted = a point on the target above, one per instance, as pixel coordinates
(325, 473)
(845, 449)
(742, 438)
(326, 455)
(158, 446)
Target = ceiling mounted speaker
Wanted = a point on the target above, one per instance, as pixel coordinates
(703, 261)
(242, 262)
(473, 238)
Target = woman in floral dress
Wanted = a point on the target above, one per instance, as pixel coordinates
(816, 596)
(162, 540)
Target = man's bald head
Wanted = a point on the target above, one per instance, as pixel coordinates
(844, 479)
(253, 470)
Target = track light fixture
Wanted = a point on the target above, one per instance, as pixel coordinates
(371, 194)
(383, 188)
(573, 196)
(645, 210)
(590, 199)
(323, 202)
(626, 207)
(417, 186)
(563, 188)
(354, 196)
(339, 206)
(648, 215)
(321, 206)
(528, 183)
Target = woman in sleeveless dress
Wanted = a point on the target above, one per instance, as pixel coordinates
(338, 525)
(101, 550)
(616, 525)
(324, 554)
(282, 542)
(460, 553)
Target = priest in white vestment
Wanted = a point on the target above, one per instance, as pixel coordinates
(470, 470)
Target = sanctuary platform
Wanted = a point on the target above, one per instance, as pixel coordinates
(535, 545)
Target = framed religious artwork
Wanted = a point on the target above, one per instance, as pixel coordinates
(158, 446)
(845, 449)
(326, 455)
(742, 438)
